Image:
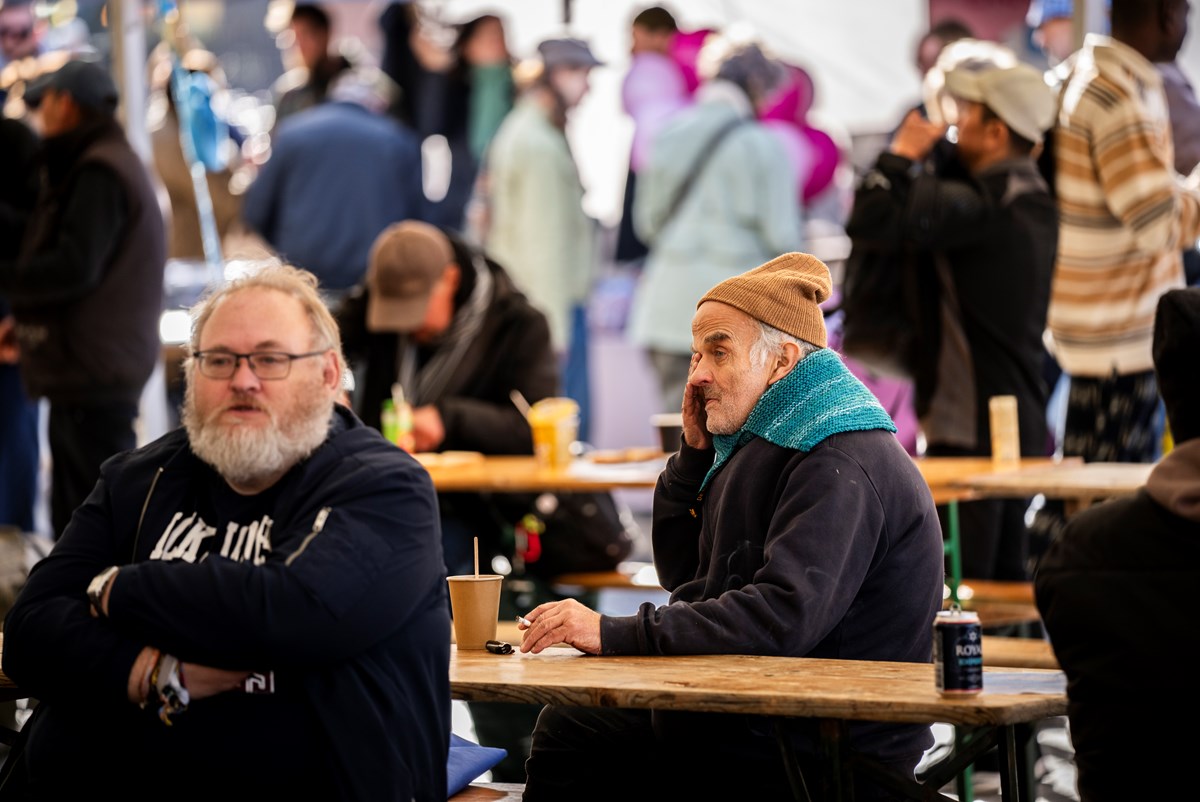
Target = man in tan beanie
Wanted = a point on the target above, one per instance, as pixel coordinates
(791, 522)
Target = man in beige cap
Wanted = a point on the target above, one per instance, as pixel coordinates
(791, 522)
(980, 238)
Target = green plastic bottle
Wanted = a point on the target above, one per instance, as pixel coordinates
(404, 419)
(388, 423)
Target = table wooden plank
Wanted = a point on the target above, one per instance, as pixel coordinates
(1090, 480)
(746, 684)
(522, 474)
(949, 473)
(997, 650)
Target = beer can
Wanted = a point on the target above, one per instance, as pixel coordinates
(957, 652)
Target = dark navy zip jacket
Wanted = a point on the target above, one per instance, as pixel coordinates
(348, 610)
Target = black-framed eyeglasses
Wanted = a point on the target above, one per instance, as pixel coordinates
(20, 34)
(266, 365)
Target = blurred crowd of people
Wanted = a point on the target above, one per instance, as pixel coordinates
(342, 152)
(336, 157)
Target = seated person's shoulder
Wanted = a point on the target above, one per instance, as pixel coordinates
(368, 465)
(871, 459)
(1127, 532)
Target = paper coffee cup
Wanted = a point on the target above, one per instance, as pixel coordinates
(475, 608)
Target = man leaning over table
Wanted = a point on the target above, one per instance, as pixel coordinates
(791, 523)
(445, 322)
(252, 606)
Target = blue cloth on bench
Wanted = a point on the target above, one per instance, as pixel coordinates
(467, 761)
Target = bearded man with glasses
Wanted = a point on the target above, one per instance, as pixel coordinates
(255, 603)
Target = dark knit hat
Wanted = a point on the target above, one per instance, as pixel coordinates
(785, 293)
(1176, 343)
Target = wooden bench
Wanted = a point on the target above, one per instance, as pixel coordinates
(490, 792)
(992, 590)
(1004, 615)
(1001, 604)
(610, 580)
(1018, 652)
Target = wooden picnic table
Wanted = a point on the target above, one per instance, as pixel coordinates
(834, 692)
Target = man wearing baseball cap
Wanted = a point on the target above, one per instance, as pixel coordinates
(85, 83)
(983, 233)
(446, 323)
(791, 522)
(86, 287)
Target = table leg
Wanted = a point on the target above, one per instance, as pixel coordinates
(791, 763)
(835, 742)
(964, 782)
(953, 547)
(1010, 785)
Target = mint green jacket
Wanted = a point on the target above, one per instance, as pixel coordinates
(741, 210)
(538, 230)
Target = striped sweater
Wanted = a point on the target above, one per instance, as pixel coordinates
(1125, 213)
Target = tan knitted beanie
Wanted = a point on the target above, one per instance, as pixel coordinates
(785, 293)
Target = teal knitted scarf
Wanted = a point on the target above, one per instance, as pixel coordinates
(820, 397)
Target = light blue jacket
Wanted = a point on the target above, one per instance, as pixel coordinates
(741, 211)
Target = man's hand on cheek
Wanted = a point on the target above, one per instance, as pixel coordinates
(695, 419)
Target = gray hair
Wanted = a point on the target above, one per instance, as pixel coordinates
(296, 282)
(771, 341)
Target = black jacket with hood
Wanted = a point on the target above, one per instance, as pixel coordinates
(347, 607)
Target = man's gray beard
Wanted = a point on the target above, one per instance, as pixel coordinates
(725, 427)
(243, 455)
